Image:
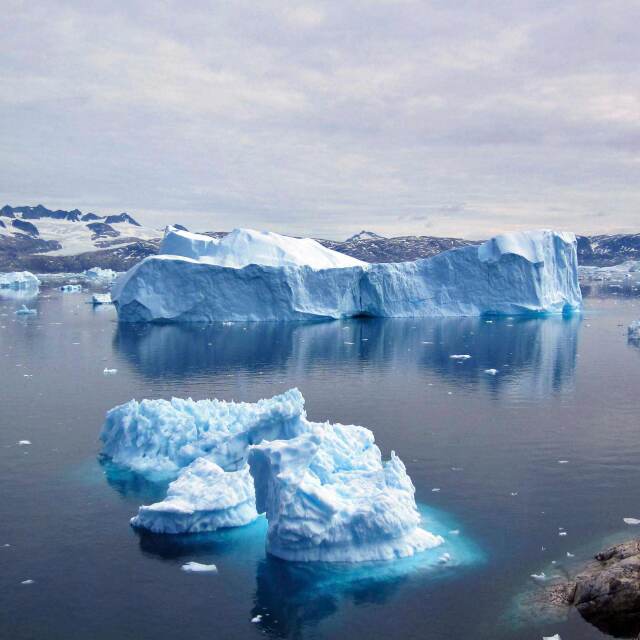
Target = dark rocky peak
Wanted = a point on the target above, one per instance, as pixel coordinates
(102, 230)
(364, 235)
(121, 217)
(7, 211)
(89, 217)
(25, 227)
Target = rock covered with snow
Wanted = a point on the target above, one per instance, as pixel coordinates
(325, 490)
(18, 280)
(250, 275)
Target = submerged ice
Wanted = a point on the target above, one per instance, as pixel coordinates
(326, 492)
(251, 275)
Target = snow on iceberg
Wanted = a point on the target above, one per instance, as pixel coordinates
(633, 331)
(326, 492)
(18, 280)
(250, 275)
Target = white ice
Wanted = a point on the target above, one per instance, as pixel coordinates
(633, 331)
(101, 298)
(25, 311)
(631, 521)
(96, 274)
(251, 275)
(197, 567)
(18, 280)
(325, 490)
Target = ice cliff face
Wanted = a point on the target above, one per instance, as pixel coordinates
(325, 490)
(262, 276)
(18, 280)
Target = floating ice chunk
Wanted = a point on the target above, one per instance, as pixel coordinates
(101, 298)
(631, 520)
(633, 332)
(24, 442)
(329, 497)
(71, 288)
(563, 462)
(553, 637)
(203, 498)
(491, 372)
(250, 275)
(540, 577)
(454, 532)
(562, 533)
(109, 372)
(197, 567)
(257, 618)
(444, 558)
(18, 280)
(464, 356)
(25, 311)
(29, 581)
(570, 555)
(97, 274)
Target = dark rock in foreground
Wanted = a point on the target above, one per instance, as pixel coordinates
(606, 592)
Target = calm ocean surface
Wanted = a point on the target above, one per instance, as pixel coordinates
(566, 390)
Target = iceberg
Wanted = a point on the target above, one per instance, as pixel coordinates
(98, 275)
(633, 331)
(329, 497)
(326, 492)
(259, 276)
(203, 498)
(18, 280)
(25, 311)
(100, 298)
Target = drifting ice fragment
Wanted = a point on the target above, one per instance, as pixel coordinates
(540, 577)
(27, 581)
(491, 372)
(109, 372)
(631, 520)
(553, 637)
(70, 288)
(24, 442)
(465, 356)
(101, 298)
(25, 311)
(196, 567)
(18, 280)
(256, 619)
(97, 274)
(250, 275)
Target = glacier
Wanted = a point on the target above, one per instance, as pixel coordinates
(259, 276)
(326, 492)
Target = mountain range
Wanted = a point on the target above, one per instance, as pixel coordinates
(38, 239)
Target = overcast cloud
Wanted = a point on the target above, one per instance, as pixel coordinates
(436, 118)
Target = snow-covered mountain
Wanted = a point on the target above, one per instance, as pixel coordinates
(41, 239)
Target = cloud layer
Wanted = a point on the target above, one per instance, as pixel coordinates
(443, 118)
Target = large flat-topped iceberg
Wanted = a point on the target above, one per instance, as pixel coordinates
(327, 494)
(251, 276)
(18, 280)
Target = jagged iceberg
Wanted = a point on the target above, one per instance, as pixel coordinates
(325, 490)
(98, 275)
(18, 280)
(251, 275)
(633, 331)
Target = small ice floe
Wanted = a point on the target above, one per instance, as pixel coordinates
(427, 342)
(491, 372)
(435, 489)
(101, 298)
(197, 567)
(29, 581)
(562, 533)
(460, 356)
(444, 558)
(109, 372)
(349, 342)
(454, 532)
(23, 443)
(256, 619)
(25, 311)
(539, 577)
(631, 520)
(514, 493)
(70, 288)
(553, 637)
(563, 462)
(570, 555)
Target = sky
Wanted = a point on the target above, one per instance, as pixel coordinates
(323, 118)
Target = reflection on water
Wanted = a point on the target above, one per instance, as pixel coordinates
(533, 355)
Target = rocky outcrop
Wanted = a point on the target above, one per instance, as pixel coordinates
(606, 592)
